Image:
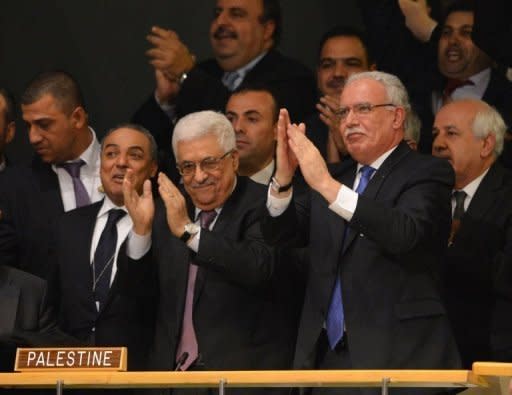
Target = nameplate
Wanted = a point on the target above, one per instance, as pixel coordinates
(104, 358)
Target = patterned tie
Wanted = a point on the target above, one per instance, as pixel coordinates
(188, 342)
(104, 257)
(73, 168)
(231, 80)
(458, 213)
(335, 316)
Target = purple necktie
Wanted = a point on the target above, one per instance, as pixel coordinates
(188, 342)
(335, 322)
(73, 169)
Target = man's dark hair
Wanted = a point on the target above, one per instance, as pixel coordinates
(260, 87)
(10, 105)
(458, 5)
(60, 85)
(272, 12)
(153, 149)
(346, 31)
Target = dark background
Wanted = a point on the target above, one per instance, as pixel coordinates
(102, 43)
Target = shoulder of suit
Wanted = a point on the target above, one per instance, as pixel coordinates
(276, 61)
(22, 279)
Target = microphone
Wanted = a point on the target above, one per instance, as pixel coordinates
(181, 360)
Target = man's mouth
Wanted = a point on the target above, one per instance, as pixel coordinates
(453, 54)
(222, 34)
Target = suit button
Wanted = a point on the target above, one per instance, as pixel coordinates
(93, 329)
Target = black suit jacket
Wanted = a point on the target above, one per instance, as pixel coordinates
(127, 317)
(478, 276)
(389, 265)
(27, 319)
(292, 83)
(30, 202)
(241, 317)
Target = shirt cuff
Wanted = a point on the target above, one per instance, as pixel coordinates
(193, 242)
(168, 109)
(137, 245)
(276, 206)
(345, 203)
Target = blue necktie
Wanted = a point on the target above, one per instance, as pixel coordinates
(335, 317)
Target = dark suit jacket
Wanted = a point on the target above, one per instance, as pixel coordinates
(27, 319)
(478, 276)
(389, 264)
(30, 202)
(293, 83)
(241, 317)
(127, 317)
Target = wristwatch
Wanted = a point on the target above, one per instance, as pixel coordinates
(276, 187)
(190, 230)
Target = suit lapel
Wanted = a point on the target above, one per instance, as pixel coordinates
(377, 181)
(486, 194)
(49, 187)
(9, 297)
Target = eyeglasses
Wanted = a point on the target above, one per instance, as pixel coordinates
(207, 165)
(359, 109)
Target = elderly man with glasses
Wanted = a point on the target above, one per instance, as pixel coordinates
(376, 226)
(219, 308)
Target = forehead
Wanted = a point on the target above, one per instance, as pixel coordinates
(251, 6)
(127, 138)
(364, 90)
(45, 106)
(199, 148)
(459, 18)
(458, 114)
(246, 101)
(342, 47)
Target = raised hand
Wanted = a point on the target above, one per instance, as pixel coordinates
(417, 18)
(286, 162)
(140, 207)
(175, 206)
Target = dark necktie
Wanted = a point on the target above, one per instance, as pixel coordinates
(230, 80)
(104, 257)
(335, 316)
(451, 85)
(458, 213)
(73, 168)
(188, 342)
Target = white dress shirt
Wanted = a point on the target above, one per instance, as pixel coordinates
(89, 175)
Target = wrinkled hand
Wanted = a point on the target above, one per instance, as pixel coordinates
(286, 162)
(311, 163)
(140, 207)
(327, 108)
(175, 206)
(417, 18)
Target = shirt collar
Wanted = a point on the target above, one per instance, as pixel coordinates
(472, 187)
(107, 206)
(263, 176)
(379, 161)
(242, 71)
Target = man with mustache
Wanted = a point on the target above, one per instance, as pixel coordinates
(102, 300)
(64, 173)
(463, 69)
(243, 36)
(469, 134)
(219, 305)
(342, 51)
(376, 226)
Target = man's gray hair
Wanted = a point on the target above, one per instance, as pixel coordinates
(489, 121)
(199, 124)
(396, 92)
(153, 148)
(412, 127)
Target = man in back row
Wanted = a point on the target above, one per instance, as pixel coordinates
(64, 173)
(243, 36)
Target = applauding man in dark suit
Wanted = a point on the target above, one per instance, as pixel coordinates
(103, 301)
(372, 299)
(218, 308)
